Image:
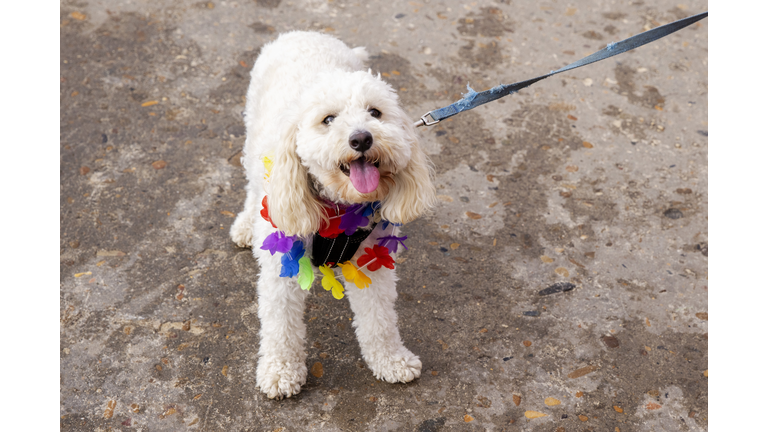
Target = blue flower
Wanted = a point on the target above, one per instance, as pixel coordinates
(291, 260)
(370, 208)
(387, 223)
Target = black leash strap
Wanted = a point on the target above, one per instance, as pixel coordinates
(473, 99)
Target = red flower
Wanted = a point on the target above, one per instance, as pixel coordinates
(265, 211)
(378, 256)
(331, 230)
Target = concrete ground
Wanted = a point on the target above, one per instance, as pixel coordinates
(596, 177)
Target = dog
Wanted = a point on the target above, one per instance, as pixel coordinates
(327, 146)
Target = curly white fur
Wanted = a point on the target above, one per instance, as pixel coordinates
(297, 82)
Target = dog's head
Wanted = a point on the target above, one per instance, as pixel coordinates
(348, 141)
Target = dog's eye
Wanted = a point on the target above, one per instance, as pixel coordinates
(328, 119)
(374, 113)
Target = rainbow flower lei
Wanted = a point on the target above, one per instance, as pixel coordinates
(295, 263)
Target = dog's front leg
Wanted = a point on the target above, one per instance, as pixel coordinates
(375, 324)
(282, 369)
(242, 230)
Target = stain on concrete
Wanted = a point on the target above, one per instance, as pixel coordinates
(260, 27)
(489, 22)
(637, 129)
(648, 96)
(398, 72)
(479, 54)
(235, 84)
(614, 16)
(268, 3)
(593, 35)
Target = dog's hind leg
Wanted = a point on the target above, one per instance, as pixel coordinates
(281, 369)
(375, 324)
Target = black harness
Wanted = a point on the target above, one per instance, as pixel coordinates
(332, 251)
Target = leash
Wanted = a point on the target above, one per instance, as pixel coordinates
(474, 99)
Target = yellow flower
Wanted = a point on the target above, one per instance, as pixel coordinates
(352, 274)
(330, 283)
(268, 163)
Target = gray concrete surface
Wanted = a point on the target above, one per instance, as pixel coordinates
(596, 177)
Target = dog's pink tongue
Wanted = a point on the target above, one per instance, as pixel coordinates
(364, 176)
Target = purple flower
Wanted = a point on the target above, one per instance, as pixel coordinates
(391, 242)
(291, 260)
(353, 219)
(278, 242)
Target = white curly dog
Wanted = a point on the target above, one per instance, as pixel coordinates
(323, 133)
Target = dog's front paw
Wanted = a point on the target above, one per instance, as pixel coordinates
(402, 366)
(242, 232)
(280, 378)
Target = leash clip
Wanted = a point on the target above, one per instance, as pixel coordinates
(424, 122)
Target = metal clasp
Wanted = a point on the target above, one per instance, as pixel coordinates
(423, 121)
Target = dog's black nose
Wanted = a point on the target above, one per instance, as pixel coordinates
(361, 141)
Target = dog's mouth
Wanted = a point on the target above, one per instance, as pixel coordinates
(363, 173)
(344, 167)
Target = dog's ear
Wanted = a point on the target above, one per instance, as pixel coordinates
(292, 206)
(413, 192)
